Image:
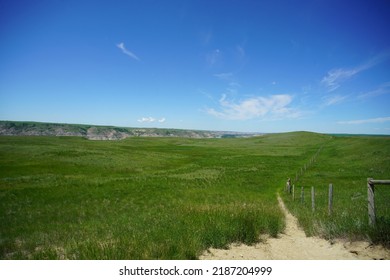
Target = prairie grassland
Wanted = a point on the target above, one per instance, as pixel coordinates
(141, 198)
(163, 198)
(346, 162)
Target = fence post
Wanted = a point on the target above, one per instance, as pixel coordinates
(293, 192)
(371, 202)
(313, 207)
(289, 185)
(302, 195)
(330, 200)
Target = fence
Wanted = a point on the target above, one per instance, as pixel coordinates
(290, 188)
(307, 165)
(370, 197)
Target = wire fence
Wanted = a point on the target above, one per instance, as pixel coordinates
(300, 194)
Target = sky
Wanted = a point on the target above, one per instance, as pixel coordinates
(232, 65)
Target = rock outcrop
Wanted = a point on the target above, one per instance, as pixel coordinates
(93, 132)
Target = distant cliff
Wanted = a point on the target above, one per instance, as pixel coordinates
(93, 132)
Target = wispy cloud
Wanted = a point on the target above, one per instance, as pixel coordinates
(232, 84)
(382, 89)
(213, 57)
(151, 120)
(375, 120)
(122, 47)
(335, 77)
(146, 119)
(274, 106)
(333, 100)
(224, 76)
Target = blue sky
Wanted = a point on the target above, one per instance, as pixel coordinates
(238, 65)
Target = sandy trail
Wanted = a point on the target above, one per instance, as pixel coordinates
(294, 245)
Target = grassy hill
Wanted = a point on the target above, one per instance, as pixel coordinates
(167, 198)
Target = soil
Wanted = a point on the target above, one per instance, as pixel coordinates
(293, 244)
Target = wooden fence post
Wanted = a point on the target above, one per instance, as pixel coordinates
(371, 198)
(330, 201)
(293, 192)
(302, 195)
(371, 202)
(288, 186)
(313, 206)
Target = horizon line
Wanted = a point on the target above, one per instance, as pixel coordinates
(209, 130)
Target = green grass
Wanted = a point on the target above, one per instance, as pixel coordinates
(156, 198)
(346, 162)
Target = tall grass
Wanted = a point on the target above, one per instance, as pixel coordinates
(170, 198)
(346, 162)
(141, 198)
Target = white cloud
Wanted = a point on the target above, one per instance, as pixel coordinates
(232, 85)
(146, 119)
(382, 89)
(126, 51)
(333, 100)
(335, 77)
(274, 106)
(151, 120)
(375, 120)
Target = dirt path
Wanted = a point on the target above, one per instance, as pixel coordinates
(294, 245)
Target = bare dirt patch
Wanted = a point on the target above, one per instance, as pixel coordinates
(293, 244)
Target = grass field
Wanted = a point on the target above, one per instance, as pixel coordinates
(346, 162)
(172, 198)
